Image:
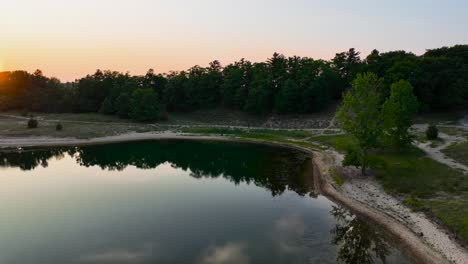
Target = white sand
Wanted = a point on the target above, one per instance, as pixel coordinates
(367, 191)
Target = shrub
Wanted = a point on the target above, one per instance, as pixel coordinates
(32, 123)
(58, 127)
(432, 132)
(336, 177)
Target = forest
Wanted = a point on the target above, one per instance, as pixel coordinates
(280, 85)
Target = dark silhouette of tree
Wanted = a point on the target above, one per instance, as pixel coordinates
(283, 85)
(144, 105)
(347, 64)
(359, 242)
(276, 169)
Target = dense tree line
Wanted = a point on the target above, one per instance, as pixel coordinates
(282, 85)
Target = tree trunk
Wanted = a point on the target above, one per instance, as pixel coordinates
(363, 161)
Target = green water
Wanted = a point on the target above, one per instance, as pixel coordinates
(175, 202)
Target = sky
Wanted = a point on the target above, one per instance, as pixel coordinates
(69, 39)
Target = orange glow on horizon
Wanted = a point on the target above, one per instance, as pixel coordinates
(69, 39)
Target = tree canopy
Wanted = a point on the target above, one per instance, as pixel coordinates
(281, 85)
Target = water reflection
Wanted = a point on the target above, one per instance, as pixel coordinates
(143, 223)
(358, 241)
(277, 169)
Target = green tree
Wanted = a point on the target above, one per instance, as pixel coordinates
(123, 105)
(288, 98)
(398, 111)
(107, 107)
(347, 64)
(360, 116)
(144, 105)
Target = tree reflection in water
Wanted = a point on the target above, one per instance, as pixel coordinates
(358, 241)
(274, 168)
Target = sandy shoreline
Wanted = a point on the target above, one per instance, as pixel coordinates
(362, 196)
(22, 142)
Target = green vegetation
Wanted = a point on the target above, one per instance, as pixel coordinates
(412, 172)
(458, 152)
(144, 105)
(77, 127)
(281, 85)
(426, 184)
(338, 142)
(413, 202)
(432, 132)
(32, 123)
(398, 111)
(292, 137)
(374, 122)
(360, 116)
(336, 177)
(453, 212)
(59, 127)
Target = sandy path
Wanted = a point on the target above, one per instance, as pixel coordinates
(436, 153)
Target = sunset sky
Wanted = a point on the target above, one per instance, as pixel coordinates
(69, 39)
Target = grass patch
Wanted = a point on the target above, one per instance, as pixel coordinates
(337, 179)
(412, 172)
(338, 142)
(413, 202)
(278, 136)
(458, 152)
(428, 186)
(409, 171)
(424, 181)
(293, 134)
(452, 212)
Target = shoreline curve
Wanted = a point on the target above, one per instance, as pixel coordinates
(409, 242)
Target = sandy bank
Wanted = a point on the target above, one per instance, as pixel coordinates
(21, 142)
(418, 236)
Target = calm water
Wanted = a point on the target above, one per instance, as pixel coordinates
(175, 202)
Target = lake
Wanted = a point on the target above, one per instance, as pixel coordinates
(175, 201)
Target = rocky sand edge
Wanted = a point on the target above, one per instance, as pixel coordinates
(417, 235)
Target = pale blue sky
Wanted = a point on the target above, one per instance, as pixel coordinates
(68, 39)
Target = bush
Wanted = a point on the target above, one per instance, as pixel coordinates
(58, 127)
(432, 132)
(32, 123)
(144, 105)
